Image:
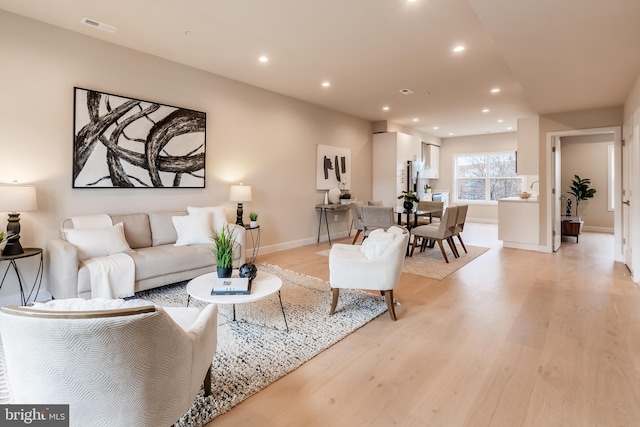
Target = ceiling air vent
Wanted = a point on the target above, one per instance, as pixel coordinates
(406, 91)
(99, 25)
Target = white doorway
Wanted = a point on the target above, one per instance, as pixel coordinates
(554, 185)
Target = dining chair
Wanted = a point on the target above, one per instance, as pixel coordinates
(356, 219)
(435, 207)
(461, 218)
(374, 217)
(438, 233)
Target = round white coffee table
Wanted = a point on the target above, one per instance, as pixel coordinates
(262, 286)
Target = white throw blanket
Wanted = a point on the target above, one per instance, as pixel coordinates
(112, 276)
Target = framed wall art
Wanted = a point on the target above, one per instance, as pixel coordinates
(122, 142)
(333, 167)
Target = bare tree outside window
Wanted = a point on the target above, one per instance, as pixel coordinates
(487, 176)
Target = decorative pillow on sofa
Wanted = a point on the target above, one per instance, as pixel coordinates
(192, 229)
(217, 214)
(95, 242)
(377, 242)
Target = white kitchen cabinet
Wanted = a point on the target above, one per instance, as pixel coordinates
(431, 159)
(391, 151)
(518, 224)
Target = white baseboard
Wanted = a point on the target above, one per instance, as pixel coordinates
(482, 220)
(302, 242)
(595, 229)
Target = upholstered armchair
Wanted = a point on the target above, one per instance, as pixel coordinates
(375, 265)
(131, 366)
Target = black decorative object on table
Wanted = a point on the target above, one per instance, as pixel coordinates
(248, 270)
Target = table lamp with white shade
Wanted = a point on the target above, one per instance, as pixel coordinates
(240, 193)
(15, 199)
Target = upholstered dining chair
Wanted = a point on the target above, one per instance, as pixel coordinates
(356, 219)
(438, 232)
(374, 217)
(436, 207)
(375, 265)
(461, 219)
(131, 366)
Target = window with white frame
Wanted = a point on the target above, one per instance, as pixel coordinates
(486, 176)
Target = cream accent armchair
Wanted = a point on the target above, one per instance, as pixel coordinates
(115, 367)
(374, 265)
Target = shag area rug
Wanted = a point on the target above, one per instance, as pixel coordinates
(431, 264)
(256, 350)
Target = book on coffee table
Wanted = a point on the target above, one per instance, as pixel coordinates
(232, 286)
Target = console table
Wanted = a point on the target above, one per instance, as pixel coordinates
(28, 252)
(322, 209)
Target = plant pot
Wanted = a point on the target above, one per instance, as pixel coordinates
(345, 201)
(253, 224)
(408, 206)
(224, 272)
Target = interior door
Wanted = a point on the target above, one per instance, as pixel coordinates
(556, 193)
(627, 234)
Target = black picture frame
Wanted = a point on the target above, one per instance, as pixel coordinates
(122, 142)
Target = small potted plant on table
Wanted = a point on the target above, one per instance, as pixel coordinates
(222, 251)
(410, 197)
(345, 198)
(253, 217)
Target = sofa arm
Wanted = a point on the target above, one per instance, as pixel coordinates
(62, 269)
(239, 257)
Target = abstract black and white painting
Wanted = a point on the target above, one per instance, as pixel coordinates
(333, 168)
(129, 143)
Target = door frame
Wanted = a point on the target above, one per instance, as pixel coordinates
(553, 215)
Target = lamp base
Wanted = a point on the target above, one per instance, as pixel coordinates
(13, 247)
(239, 214)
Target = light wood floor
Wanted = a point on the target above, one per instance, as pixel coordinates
(515, 338)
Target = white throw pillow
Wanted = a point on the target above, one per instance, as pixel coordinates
(377, 242)
(192, 229)
(217, 214)
(95, 242)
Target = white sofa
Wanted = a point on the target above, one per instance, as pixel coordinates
(158, 260)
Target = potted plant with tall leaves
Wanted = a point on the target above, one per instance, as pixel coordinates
(410, 197)
(581, 190)
(222, 251)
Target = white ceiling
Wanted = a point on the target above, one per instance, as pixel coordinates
(546, 56)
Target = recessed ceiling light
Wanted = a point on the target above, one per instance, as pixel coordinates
(485, 110)
(263, 59)
(509, 128)
(436, 128)
(500, 120)
(415, 119)
(385, 108)
(495, 90)
(450, 133)
(326, 84)
(458, 49)
(412, 1)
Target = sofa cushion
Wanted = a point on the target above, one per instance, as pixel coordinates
(217, 214)
(96, 242)
(192, 229)
(162, 230)
(137, 230)
(167, 259)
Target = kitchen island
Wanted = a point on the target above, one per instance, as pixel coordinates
(518, 223)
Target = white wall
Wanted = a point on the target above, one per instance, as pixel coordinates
(263, 139)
